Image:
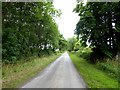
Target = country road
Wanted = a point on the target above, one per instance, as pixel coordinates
(59, 74)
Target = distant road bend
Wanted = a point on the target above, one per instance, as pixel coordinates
(59, 74)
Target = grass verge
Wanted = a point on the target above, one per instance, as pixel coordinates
(94, 77)
(14, 75)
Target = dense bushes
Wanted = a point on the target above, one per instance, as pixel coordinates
(110, 67)
(29, 29)
(84, 53)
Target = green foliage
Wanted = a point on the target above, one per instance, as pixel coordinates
(77, 46)
(71, 43)
(63, 45)
(83, 52)
(110, 67)
(28, 29)
(96, 27)
(94, 77)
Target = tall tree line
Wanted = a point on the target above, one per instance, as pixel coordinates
(99, 24)
(28, 29)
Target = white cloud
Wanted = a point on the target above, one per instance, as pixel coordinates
(68, 20)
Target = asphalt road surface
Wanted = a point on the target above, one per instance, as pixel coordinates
(59, 74)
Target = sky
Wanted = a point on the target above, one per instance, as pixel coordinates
(68, 19)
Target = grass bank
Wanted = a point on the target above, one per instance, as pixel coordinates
(94, 77)
(17, 74)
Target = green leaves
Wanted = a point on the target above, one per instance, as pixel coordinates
(28, 29)
(96, 26)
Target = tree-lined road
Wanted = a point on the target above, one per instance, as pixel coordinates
(60, 74)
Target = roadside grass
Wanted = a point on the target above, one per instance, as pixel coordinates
(110, 67)
(94, 77)
(14, 75)
(0, 74)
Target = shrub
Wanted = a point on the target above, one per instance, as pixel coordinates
(109, 67)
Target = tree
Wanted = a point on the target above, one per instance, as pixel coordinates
(71, 43)
(63, 45)
(96, 27)
(28, 29)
